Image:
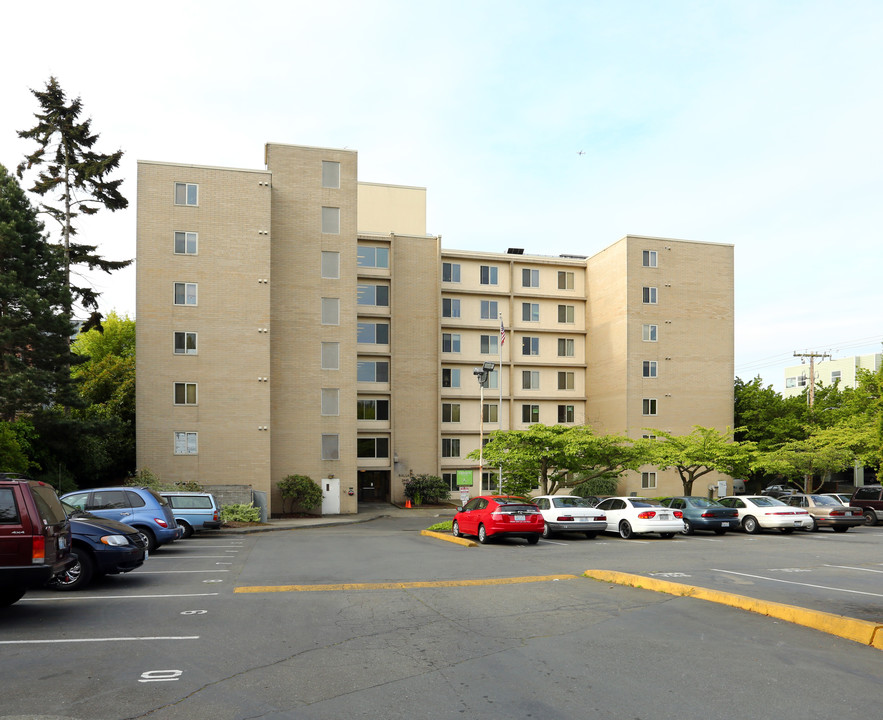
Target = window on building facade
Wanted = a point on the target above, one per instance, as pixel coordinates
(648, 258)
(565, 347)
(530, 413)
(186, 243)
(489, 310)
(451, 479)
(185, 293)
(372, 256)
(530, 312)
(330, 356)
(451, 342)
(648, 333)
(186, 194)
(374, 371)
(648, 480)
(488, 275)
(330, 401)
(330, 311)
(185, 393)
(649, 295)
(530, 379)
(186, 443)
(185, 343)
(790, 382)
(489, 344)
(330, 174)
(530, 346)
(373, 295)
(530, 278)
(835, 376)
(649, 406)
(372, 409)
(493, 378)
(565, 413)
(565, 280)
(451, 447)
(331, 220)
(565, 380)
(451, 377)
(566, 314)
(450, 412)
(450, 307)
(368, 333)
(649, 369)
(451, 272)
(330, 446)
(330, 265)
(489, 413)
(801, 381)
(375, 447)
(648, 437)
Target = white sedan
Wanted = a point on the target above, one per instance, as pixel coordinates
(762, 512)
(631, 516)
(569, 513)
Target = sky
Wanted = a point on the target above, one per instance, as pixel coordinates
(751, 123)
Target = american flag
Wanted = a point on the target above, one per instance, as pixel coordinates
(502, 333)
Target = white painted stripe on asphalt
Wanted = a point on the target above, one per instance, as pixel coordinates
(185, 557)
(89, 640)
(792, 582)
(60, 598)
(174, 572)
(850, 567)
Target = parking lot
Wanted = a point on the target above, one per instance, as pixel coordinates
(376, 620)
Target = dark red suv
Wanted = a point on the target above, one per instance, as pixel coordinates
(35, 536)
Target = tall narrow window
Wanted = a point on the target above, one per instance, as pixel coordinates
(330, 174)
(186, 243)
(330, 311)
(330, 265)
(331, 356)
(331, 447)
(331, 220)
(330, 401)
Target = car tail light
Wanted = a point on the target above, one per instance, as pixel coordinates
(216, 516)
(784, 512)
(647, 514)
(565, 518)
(707, 514)
(601, 517)
(38, 550)
(679, 514)
(160, 522)
(837, 512)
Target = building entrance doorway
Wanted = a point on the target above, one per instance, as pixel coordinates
(373, 486)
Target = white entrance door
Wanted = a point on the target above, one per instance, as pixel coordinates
(331, 496)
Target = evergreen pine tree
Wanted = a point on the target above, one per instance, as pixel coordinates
(70, 166)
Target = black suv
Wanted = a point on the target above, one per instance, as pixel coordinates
(870, 499)
(35, 536)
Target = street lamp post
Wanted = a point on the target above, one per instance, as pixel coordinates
(482, 374)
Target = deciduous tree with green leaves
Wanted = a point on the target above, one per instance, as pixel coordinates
(76, 176)
(702, 451)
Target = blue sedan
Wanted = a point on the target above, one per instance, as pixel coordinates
(703, 514)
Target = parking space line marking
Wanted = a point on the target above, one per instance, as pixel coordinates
(179, 572)
(62, 598)
(403, 585)
(186, 557)
(793, 582)
(850, 567)
(89, 640)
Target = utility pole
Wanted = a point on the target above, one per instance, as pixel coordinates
(811, 396)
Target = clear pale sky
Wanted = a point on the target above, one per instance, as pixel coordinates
(756, 124)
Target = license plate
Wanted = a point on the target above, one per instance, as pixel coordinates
(725, 524)
(519, 518)
(664, 516)
(798, 523)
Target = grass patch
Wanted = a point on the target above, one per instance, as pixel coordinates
(441, 527)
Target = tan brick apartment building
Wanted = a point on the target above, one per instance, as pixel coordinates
(296, 320)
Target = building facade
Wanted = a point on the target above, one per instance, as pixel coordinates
(295, 320)
(829, 371)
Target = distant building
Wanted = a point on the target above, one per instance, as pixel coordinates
(827, 372)
(297, 320)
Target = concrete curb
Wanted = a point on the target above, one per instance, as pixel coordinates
(860, 631)
(450, 538)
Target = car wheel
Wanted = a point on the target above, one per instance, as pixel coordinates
(591, 535)
(11, 596)
(482, 535)
(546, 532)
(870, 517)
(688, 528)
(78, 575)
(786, 531)
(666, 536)
(533, 539)
(840, 528)
(815, 525)
(455, 529)
(751, 525)
(188, 529)
(148, 537)
(625, 530)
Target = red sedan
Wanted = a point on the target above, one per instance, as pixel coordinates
(493, 516)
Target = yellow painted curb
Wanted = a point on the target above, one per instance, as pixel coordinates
(860, 631)
(449, 538)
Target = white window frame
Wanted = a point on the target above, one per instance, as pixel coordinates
(649, 333)
(565, 280)
(566, 380)
(450, 412)
(649, 407)
(569, 314)
(191, 290)
(330, 265)
(330, 311)
(450, 447)
(490, 412)
(330, 401)
(186, 386)
(191, 192)
(648, 480)
(530, 312)
(330, 351)
(453, 340)
(649, 368)
(450, 272)
(454, 377)
(532, 411)
(376, 403)
(367, 295)
(530, 379)
(373, 364)
(371, 332)
(372, 261)
(569, 413)
(330, 220)
(489, 310)
(185, 335)
(489, 345)
(187, 238)
(569, 347)
(488, 275)
(331, 174)
(649, 295)
(649, 258)
(451, 307)
(531, 344)
(185, 443)
(532, 276)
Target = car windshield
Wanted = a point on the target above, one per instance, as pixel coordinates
(763, 501)
(824, 500)
(72, 511)
(570, 502)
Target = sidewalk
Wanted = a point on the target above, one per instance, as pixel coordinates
(366, 513)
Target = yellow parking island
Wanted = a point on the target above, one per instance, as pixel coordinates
(860, 631)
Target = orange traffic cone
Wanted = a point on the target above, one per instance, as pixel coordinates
(407, 504)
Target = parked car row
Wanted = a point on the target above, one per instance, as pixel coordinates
(66, 543)
(494, 516)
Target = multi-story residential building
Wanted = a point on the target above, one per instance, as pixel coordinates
(828, 371)
(296, 320)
